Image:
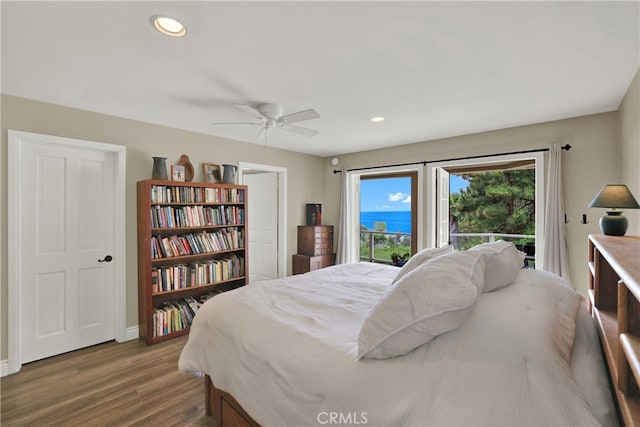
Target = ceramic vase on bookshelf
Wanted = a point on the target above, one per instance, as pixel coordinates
(159, 168)
(229, 175)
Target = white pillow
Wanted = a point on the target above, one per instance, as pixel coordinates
(432, 299)
(421, 257)
(503, 263)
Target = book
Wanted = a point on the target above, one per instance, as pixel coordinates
(154, 280)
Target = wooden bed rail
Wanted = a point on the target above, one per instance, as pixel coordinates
(224, 409)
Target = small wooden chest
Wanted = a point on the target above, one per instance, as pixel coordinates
(304, 263)
(314, 240)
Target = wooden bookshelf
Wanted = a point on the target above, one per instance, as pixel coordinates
(191, 245)
(614, 301)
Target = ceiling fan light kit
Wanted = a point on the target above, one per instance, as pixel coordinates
(271, 111)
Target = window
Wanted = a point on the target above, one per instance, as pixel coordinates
(512, 207)
(388, 216)
(495, 204)
(430, 201)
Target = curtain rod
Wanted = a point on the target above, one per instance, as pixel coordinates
(566, 147)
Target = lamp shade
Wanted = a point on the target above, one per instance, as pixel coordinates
(613, 198)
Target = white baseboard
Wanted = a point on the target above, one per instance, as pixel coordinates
(129, 334)
(4, 368)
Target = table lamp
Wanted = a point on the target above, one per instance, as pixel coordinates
(614, 197)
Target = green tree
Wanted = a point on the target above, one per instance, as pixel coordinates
(496, 202)
(380, 226)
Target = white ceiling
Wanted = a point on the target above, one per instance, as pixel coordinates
(432, 69)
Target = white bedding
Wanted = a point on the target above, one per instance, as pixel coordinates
(287, 351)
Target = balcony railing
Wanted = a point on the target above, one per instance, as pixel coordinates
(380, 250)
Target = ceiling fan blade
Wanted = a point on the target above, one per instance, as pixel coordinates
(249, 110)
(299, 116)
(237, 123)
(299, 129)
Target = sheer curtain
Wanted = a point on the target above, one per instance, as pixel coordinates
(348, 245)
(556, 257)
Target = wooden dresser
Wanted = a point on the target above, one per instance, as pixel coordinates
(614, 295)
(315, 248)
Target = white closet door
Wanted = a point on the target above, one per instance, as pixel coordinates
(263, 225)
(67, 295)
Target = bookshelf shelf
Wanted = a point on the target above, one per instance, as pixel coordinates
(196, 288)
(168, 230)
(191, 246)
(194, 257)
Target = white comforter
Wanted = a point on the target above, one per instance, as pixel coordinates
(286, 350)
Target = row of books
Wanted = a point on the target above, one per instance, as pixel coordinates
(196, 273)
(195, 216)
(177, 315)
(197, 243)
(180, 194)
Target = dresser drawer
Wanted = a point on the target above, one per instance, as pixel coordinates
(304, 263)
(315, 240)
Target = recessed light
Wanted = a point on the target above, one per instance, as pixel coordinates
(168, 25)
(376, 119)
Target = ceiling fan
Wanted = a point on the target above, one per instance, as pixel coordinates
(269, 116)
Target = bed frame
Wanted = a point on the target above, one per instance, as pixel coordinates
(224, 409)
(614, 303)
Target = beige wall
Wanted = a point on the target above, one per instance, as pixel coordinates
(144, 140)
(629, 114)
(593, 161)
(606, 149)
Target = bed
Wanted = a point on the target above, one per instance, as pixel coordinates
(452, 338)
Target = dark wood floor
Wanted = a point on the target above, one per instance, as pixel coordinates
(109, 384)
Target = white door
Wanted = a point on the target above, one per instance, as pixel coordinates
(67, 291)
(263, 225)
(442, 197)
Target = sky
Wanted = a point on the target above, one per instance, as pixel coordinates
(394, 194)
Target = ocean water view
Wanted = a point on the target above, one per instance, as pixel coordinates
(395, 220)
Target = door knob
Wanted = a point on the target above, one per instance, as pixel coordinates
(108, 258)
